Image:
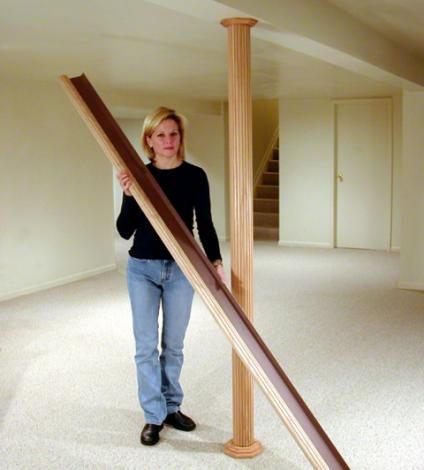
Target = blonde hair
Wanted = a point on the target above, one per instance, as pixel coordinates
(153, 120)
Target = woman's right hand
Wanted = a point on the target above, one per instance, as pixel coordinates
(125, 181)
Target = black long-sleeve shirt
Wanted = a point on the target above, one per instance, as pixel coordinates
(187, 188)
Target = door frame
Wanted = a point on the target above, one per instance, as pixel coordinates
(335, 103)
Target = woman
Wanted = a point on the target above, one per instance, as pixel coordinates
(154, 278)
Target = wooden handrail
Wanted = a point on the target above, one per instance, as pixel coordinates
(244, 338)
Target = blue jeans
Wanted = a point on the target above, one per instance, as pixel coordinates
(150, 284)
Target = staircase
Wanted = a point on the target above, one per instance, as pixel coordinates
(265, 203)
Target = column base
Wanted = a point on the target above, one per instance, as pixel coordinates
(242, 452)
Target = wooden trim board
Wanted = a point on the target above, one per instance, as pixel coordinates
(244, 338)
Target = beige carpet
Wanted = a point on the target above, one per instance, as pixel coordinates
(352, 343)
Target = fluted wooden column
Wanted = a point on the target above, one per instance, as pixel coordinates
(243, 444)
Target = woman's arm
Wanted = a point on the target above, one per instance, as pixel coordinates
(205, 226)
(127, 219)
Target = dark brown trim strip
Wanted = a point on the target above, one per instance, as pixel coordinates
(131, 161)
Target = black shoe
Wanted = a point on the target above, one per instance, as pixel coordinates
(150, 434)
(180, 421)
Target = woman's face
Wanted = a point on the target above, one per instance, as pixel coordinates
(166, 139)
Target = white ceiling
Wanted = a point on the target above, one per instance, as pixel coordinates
(178, 47)
(402, 21)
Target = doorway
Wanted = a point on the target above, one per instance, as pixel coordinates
(363, 173)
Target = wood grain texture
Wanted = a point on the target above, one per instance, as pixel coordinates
(245, 340)
(243, 443)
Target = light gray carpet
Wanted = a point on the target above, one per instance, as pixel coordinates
(351, 342)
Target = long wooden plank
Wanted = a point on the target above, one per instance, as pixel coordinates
(244, 338)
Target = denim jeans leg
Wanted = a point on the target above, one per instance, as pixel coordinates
(176, 305)
(145, 295)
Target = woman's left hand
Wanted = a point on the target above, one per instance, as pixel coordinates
(221, 273)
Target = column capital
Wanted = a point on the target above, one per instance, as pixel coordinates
(238, 21)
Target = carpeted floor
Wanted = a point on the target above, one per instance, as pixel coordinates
(352, 343)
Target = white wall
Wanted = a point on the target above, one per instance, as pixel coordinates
(397, 169)
(55, 192)
(306, 172)
(56, 198)
(56, 187)
(206, 148)
(412, 231)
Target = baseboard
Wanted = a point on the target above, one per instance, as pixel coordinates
(396, 249)
(410, 285)
(57, 282)
(305, 244)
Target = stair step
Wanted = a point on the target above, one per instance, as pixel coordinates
(265, 205)
(266, 202)
(267, 191)
(270, 178)
(273, 165)
(265, 219)
(265, 233)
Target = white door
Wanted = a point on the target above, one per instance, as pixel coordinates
(363, 174)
